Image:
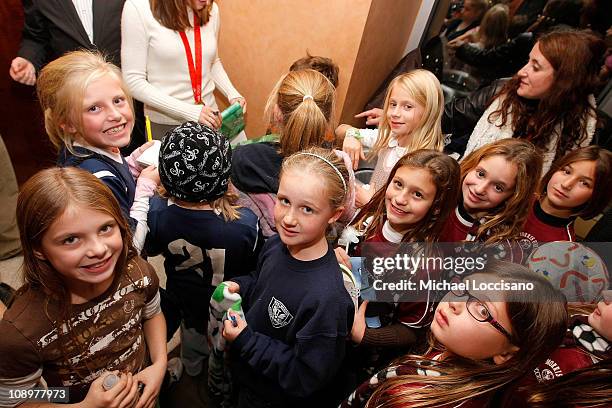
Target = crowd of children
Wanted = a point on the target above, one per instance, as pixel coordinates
(297, 334)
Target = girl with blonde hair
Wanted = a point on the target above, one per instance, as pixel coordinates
(410, 121)
(89, 117)
(301, 110)
(297, 308)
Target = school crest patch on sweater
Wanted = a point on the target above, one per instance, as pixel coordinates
(279, 314)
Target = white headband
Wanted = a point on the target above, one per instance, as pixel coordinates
(328, 162)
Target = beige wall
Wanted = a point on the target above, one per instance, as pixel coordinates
(259, 39)
(386, 33)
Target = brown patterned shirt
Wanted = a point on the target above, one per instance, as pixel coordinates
(105, 334)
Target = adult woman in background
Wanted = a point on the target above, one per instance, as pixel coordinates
(170, 62)
(549, 101)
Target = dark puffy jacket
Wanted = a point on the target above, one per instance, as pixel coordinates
(500, 61)
(461, 114)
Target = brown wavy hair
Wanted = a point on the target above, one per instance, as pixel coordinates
(602, 194)
(324, 65)
(444, 173)
(507, 219)
(539, 321)
(172, 14)
(575, 57)
(42, 200)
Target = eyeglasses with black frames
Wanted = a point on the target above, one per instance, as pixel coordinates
(479, 311)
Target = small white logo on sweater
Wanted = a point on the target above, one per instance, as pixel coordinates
(548, 373)
(279, 314)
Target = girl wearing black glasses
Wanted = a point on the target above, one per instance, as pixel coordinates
(480, 342)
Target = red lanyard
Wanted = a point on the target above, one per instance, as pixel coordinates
(195, 71)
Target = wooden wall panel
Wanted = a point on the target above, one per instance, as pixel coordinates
(386, 33)
(259, 39)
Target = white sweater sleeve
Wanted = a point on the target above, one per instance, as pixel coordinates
(134, 54)
(217, 72)
(145, 189)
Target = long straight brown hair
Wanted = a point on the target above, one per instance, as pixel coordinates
(539, 321)
(444, 172)
(42, 200)
(172, 14)
(602, 194)
(506, 220)
(575, 57)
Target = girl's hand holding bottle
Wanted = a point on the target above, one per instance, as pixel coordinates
(233, 326)
(233, 287)
(121, 395)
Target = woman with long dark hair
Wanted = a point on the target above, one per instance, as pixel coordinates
(549, 101)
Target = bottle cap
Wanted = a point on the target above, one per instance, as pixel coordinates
(109, 381)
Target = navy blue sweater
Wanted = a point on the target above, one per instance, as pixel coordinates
(115, 175)
(203, 242)
(299, 315)
(200, 251)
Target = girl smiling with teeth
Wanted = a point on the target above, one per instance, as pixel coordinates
(497, 184)
(89, 117)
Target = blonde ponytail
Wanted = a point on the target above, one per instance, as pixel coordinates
(302, 105)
